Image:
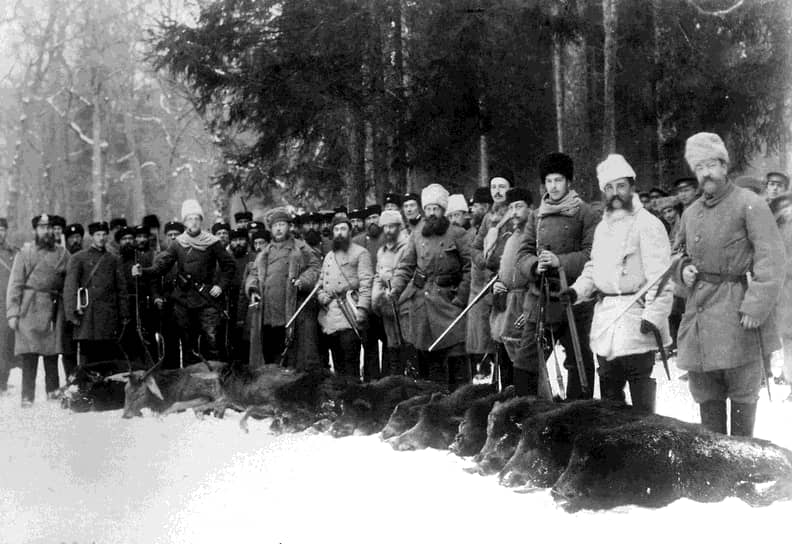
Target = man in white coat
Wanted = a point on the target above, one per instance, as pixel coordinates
(630, 248)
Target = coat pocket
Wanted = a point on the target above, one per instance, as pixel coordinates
(39, 315)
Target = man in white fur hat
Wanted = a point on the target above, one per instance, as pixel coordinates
(197, 254)
(725, 235)
(433, 279)
(630, 248)
(389, 255)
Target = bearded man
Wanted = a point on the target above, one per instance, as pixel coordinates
(371, 238)
(433, 279)
(394, 351)
(7, 253)
(345, 298)
(34, 307)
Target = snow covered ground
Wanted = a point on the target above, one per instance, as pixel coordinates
(80, 478)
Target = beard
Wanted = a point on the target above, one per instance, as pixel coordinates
(312, 238)
(127, 251)
(477, 220)
(626, 205)
(46, 241)
(391, 237)
(374, 230)
(143, 246)
(239, 251)
(415, 220)
(435, 226)
(327, 233)
(341, 243)
(74, 247)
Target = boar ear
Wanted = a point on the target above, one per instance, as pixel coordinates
(153, 387)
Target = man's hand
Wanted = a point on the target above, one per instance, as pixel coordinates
(749, 322)
(499, 287)
(297, 284)
(13, 323)
(646, 327)
(215, 291)
(568, 296)
(324, 298)
(255, 298)
(360, 316)
(137, 270)
(548, 259)
(689, 274)
(159, 303)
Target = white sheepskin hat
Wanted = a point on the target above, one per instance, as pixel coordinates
(457, 203)
(434, 194)
(391, 217)
(191, 207)
(705, 146)
(613, 167)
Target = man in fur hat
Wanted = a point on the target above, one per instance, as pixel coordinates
(345, 297)
(34, 307)
(433, 278)
(733, 269)
(630, 248)
(559, 235)
(197, 298)
(282, 275)
(98, 273)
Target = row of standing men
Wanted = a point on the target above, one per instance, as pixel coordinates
(405, 278)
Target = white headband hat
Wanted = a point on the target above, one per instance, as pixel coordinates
(457, 203)
(705, 146)
(191, 207)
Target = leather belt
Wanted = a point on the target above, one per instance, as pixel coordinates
(710, 277)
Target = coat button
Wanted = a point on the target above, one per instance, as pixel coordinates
(700, 309)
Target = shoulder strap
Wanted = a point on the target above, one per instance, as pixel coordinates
(92, 273)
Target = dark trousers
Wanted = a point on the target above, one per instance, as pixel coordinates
(441, 367)
(505, 366)
(675, 318)
(7, 359)
(170, 333)
(194, 323)
(371, 357)
(525, 382)
(530, 358)
(30, 369)
(272, 341)
(618, 372)
(345, 347)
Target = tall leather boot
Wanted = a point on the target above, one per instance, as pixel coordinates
(643, 394)
(713, 415)
(611, 390)
(743, 417)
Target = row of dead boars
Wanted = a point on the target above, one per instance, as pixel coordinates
(591, 454)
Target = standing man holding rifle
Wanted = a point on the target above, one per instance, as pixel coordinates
(281, 277)
(728, 323)
(433, 279)
(388, 256)
(345, 297)
(629, 257)
(556, 243)
(198, 305)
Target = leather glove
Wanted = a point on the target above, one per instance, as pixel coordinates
(568, 296)
(647, 327)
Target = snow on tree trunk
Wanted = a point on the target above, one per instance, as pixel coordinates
(609, 24)
(97, 183)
